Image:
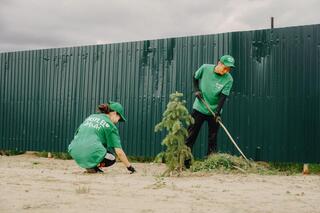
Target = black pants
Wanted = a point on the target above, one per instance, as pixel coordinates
(108, 160)
(194, 129)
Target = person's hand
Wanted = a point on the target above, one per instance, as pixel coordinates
(131, 169)
(198, 94)
(217, 117)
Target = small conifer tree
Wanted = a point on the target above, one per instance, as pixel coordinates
(174, 120)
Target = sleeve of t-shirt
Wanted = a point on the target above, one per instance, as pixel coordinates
(113, 139)
(198, 73)
(227, 88)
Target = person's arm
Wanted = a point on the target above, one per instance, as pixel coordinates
(196, 84)
(223, 96)
(221, 101)
(196, 79)
(123, 157)
(197, 91)
(113, 141)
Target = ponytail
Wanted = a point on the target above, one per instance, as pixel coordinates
(104, 108)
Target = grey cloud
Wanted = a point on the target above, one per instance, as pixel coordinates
(46, 23)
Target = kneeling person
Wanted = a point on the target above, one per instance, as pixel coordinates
(97, 139)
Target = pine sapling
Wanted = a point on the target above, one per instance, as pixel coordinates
(174, 120)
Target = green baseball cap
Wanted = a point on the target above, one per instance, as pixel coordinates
(227, 60)
(117, 107)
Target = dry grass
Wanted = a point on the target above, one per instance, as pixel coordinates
(226, 163)
(82, 189)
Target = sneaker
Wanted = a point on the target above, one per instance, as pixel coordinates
(91, 170)
(94, 170)
(98, 170)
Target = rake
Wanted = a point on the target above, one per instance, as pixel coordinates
(226, 131)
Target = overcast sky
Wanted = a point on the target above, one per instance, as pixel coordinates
(37, 24)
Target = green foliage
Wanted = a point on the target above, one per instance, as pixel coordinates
(11, 152)
(174, 120)
(219, 162)
(42, 154)
(140, 159)
(314, 168)
(290, 168)
(61, 155)
(294, 168)
(226, 163)
(160, 158)
(56, 155)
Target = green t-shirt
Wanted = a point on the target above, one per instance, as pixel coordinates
(211, 85)
(94, 137)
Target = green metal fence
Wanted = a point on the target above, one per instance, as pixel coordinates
(272, 112)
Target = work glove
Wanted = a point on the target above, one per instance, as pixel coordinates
(198, 94)
(131, 169)
(217, 117)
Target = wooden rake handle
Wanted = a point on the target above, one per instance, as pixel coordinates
(226, 131)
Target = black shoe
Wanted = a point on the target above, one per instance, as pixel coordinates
(91, 170)
(98, 170)
(94, 170)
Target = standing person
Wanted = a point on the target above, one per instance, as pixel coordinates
(97, 139)
(213, 84)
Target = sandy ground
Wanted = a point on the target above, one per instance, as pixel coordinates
(32, 184)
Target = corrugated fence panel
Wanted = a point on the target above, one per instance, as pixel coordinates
(272, 113)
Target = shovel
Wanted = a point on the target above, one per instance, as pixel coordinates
(226, 131)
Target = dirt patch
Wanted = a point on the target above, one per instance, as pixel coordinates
(33, 184)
